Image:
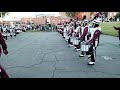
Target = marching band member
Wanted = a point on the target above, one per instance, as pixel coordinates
(62, 30)
(77, 35)
(71, 35)
(14, 31)
(93, 42)
(67, 32)
(8, 31)
(5, 32)
(74, 33)
(11, 32)
(85, 36)
(118, 28)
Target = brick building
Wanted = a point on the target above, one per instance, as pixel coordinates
(50, 18)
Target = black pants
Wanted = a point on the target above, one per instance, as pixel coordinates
(11, 36)
(5, 37)
(92, 52)
(69, 41)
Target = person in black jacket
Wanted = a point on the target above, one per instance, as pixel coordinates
(118, 28)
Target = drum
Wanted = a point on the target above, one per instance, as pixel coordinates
(76, 42)
(71, 39)
(84, 47)
(67, 37)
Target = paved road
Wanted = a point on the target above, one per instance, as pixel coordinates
(46, 55)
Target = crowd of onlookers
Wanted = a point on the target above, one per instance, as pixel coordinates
(44, 27)
(10, 30)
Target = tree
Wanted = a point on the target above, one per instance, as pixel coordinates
(3, 14)
(117, 15)
(71, 14)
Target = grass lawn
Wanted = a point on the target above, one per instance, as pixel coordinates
(107, 28)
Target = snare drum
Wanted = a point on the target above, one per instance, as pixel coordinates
(67, 37)
(76, 42)
(71, 39)
(84, 47)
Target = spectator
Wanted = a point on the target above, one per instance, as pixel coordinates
(118, 32)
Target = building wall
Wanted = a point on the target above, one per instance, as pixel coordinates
(111, 14)
(25, 20)
(41, 20)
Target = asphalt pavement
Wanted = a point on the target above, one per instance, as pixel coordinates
(47, 55)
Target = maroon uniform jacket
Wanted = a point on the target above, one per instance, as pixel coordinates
(3, 44)
(96, 35)
(79, 32)
(82, 38)
(71, 31)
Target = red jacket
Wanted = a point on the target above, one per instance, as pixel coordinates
(2, 43)
(82, 37)
(95, 36)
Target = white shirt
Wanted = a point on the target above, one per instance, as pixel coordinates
(92, 30)
(10, 30)
(4, 29)
(77, 29)
(65, 29)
